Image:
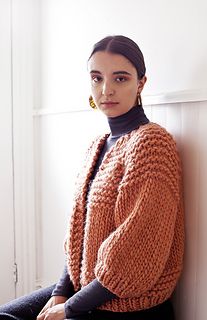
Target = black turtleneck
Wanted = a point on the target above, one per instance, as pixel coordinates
(127, 122)
(94, 294)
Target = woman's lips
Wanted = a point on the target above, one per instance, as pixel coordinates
(109, 104)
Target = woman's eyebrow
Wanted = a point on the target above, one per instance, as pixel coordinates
(122, 72)
(115, 72)
(95, 71)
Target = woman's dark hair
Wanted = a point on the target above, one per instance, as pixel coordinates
(124, 46)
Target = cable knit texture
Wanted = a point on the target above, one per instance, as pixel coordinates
(130, 233)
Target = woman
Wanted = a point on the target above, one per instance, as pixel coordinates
(125, 239)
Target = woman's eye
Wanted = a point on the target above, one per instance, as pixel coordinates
(96, 79)
(121, 79)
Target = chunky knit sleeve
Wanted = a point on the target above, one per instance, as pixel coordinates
(132, 259)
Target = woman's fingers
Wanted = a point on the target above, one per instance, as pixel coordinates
(41, 316)
(55, 313)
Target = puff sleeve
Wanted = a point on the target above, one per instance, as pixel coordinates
(133, 258)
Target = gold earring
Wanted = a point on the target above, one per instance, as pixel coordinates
(92, 103)
(139, 99)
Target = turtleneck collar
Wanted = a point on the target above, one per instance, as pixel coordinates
(127, 122)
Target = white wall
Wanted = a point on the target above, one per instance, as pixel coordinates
(7, 252)
(25, 92)
(19, 92)
(170, 34)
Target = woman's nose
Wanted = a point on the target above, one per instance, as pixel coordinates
(107, 89)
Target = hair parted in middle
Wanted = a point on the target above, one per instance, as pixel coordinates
(125, 46)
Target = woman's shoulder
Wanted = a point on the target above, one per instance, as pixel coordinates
(152, 133)
(151, 141)
(152, 128)
(153, 149)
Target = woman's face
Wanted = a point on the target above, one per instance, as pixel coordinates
(114, 83)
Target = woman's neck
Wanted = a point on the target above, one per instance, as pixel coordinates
(127, 122)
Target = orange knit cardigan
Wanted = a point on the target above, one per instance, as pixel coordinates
(130, 232)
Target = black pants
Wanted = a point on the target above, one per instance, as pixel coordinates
(28, 307)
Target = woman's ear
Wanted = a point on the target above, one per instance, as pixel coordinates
(141, 84)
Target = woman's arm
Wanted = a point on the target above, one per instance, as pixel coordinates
(87, 299)
(64, 286)
(149, 216)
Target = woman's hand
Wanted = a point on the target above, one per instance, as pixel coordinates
(54, 309)
(55, 313)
